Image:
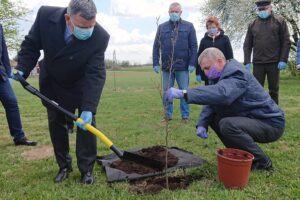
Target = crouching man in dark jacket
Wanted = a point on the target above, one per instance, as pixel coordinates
(236, 107)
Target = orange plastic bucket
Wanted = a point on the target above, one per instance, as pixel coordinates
(234, 166)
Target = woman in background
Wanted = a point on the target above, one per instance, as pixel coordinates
(214, 37)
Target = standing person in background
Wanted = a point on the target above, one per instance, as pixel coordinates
(73, 75)
(268, 36)
(8, 98)
(214, 37)
(177, 62)
(298, 56)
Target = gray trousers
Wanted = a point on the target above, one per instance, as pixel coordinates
(86, 143)
(243, 133)
(260, 71)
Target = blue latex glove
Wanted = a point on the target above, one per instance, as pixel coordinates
(173, 93)
(15, 72)
(86, 116)
(10, 81)
(201, 132)
(282, 65)
(156, 68)
(191, 68)
(198, 78)
(248, 67)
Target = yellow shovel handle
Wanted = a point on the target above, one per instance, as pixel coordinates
(96, 132)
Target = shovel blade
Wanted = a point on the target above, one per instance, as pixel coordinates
(143, 160)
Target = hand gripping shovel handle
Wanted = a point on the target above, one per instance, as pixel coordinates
(55, 105)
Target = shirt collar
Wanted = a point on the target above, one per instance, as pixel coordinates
(68, 33)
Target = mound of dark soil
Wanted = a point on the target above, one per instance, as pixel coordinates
(156, 152)
(155, 185)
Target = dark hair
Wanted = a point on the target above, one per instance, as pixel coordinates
(86, 8)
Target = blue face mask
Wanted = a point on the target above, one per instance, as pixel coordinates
(263, 14)
(212, 31)
(174, 17)
(82, 33)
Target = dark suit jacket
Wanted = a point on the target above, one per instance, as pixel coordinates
(73, 75)
(5, 69)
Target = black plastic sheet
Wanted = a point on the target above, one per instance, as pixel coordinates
(185, 160)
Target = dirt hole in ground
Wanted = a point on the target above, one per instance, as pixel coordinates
(38, 153)
(156, 152)
(157, 184)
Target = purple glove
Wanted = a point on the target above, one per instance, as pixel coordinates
(201, 132)
(172, 93)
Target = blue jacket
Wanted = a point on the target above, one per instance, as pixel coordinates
(5, 69)
(298, 53)
(185, 49)
(236, 93)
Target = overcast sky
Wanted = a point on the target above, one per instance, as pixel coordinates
(131, 24)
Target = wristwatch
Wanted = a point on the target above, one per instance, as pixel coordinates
(185, 94)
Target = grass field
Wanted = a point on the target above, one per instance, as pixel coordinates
(130, 116)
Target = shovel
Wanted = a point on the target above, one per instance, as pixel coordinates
(124, 155)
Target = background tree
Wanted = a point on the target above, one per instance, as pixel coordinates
(10, 14)
(236, 15)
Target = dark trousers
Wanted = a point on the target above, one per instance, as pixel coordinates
(260, 71)
(86, 143)
(243, 133)
(10, 104)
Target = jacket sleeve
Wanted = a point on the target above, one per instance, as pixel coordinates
(30, 48)
(298, 53)
(156, 48)
(200, 50)
(5, 57)
(223, 93)
(94, 79)
(206, 116)
(248, 45)
(229, 52)
(193, 46)
(285, 42)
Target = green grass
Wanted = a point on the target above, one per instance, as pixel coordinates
(130, 116)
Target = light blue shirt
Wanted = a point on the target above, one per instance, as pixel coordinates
(68, 35)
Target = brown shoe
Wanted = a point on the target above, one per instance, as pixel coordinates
(165, 120)
(185, 120)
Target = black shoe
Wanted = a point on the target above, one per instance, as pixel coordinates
(266, 164)
(87, 178)
(24, 141)
(62, 175)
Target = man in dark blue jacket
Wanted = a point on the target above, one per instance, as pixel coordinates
(8, 98)
(176, 45)
(235, 106)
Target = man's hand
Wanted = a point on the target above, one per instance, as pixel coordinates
(198, 78)
(191, 68)
(156, 69)
(86, 116)
(173, 93)
(298, 67)
(282, 65)
(14, 76)
(201, 132)
(248, 67)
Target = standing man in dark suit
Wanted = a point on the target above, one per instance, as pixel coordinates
(73, 75)
(8, 98)
(268, 40)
